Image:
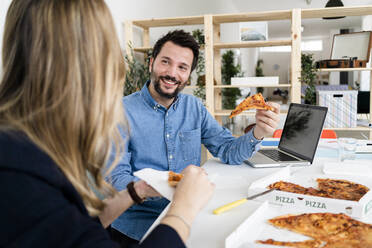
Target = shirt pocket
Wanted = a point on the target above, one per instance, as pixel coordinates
(190, 144)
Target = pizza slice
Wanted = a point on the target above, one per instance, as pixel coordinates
(342, 189)
(298, 244)
(174, 178)
(319, 226)
(252, 102)
(359, 234)
(288, 187)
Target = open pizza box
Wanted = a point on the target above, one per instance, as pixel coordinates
(256, 227)
(357, 209)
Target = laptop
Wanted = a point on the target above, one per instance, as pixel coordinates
(297, 146)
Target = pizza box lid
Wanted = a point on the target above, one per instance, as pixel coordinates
(357, 209)
(346, 46)
(256, 227)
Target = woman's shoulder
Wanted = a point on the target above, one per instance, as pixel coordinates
(20, 155)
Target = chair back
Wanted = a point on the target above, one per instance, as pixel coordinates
(326, 134)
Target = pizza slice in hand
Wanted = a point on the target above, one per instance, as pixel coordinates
(174, 178)
(252, 102)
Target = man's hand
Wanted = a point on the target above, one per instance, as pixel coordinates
(266, 121)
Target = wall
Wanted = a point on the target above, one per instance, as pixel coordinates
(144, 9)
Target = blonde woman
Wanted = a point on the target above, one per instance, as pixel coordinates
(60, 108)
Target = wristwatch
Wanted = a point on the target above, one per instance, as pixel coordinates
(133, 194)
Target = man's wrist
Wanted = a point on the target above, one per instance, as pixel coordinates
(255, 135)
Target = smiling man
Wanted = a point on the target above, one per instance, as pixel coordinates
(167, 129)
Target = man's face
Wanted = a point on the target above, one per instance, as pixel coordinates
(171, 69)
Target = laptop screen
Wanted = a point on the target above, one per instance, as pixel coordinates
(302, 129)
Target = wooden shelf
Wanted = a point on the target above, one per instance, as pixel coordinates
(227, 112)
(344, 69)
(166, 22)
(247, 44)
(145, 49)
(142, 49)
(252, 16)
(338, 11)
(250, 86)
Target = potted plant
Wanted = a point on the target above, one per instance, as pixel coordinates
(308, 77)
(259, 73)
(229, 70)
(137, 72)
(198, 34)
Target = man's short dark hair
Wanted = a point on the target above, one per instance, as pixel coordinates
(180, 38)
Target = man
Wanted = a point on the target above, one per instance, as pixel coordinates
(168, 128)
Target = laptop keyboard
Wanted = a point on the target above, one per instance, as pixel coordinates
(277, 155)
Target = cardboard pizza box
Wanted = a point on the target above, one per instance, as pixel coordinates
(349, 51)
(357, 209)
(256, 227)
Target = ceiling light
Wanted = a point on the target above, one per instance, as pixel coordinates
(334, 3)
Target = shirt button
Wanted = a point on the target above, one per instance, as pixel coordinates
(167, 135)
(252, 140)
(154, 107)
(170, 156)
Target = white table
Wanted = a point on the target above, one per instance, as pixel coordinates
(232, 182)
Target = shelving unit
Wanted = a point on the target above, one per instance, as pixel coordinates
(294, 41)
(213, 46)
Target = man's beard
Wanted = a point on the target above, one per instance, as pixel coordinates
(156, 81)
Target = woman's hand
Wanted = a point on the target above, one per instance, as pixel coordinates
(192, 194)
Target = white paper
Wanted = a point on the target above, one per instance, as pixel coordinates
(158, 180)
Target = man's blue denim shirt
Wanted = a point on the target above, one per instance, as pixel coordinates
(169, 139)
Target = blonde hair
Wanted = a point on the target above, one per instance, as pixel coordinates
(63, 74)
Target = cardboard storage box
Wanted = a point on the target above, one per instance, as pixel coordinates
(357, 209)
(342, 107)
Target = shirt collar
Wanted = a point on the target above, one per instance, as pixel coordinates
(145, 93)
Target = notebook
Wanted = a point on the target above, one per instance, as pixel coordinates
(297, 146)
